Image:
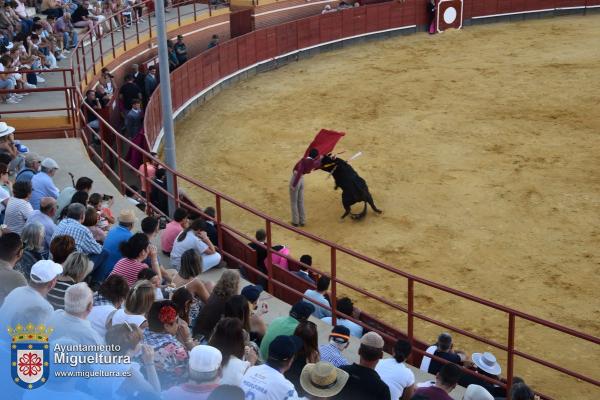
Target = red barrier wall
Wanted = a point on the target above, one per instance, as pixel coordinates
(214, 64)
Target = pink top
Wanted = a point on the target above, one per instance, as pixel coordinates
(305, 166)
(128, 269)
(280, 261)
(151, 174)
(168, 236)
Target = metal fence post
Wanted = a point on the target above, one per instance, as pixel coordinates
(511, 355)
(333, 298)
(269, 261)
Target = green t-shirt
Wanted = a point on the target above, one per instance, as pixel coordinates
(280, 326)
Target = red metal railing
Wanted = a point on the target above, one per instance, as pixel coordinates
(67, 89)
(109, 154)
(91, 55)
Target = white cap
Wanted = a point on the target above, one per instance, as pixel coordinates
(205, 359)
(476, 392)
(45, 270)
(49, 163)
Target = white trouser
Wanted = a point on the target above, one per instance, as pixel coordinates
(210, 261)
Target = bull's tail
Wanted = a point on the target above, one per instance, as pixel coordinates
(372, 204)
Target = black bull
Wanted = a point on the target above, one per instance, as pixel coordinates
(354, 188)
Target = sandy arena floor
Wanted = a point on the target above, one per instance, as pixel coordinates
(482, 146)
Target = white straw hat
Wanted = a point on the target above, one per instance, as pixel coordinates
(5, 129)
(323, 379)
(487, 362)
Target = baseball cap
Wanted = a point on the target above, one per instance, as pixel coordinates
(282, 348)
(127, 216)
(45, 270)
(252, 292)
(302, 310)
(340, 334)
(49, 163)
(205, 358)
(372, 339)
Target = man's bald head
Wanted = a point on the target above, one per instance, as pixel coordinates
(48, 206)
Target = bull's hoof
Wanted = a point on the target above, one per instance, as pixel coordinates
(378, 211)
(356, 217)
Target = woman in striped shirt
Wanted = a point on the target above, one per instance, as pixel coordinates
(75, 269)
(135, 251)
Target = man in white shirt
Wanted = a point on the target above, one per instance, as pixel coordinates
(72, 323)
(43, 278)
(394, 372)
(266, 381)
(18, 208)
(319, 297)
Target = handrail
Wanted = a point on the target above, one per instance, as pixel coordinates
(509, 348)
(86, 40)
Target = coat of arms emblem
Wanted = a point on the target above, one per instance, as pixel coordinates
(30, 355)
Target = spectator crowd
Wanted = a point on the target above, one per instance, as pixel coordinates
(68, 261)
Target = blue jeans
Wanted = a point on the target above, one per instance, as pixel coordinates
(66, 39)
(7, 84)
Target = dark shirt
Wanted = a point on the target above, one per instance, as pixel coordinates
(364, 384)
(173, 61)
(181, 52)
(29, 258)
(433, 393)
(104, 98)
(90, 115)
(140, 80)
(293, 374)
(150, 85)
(435, 366)
(209, 316)
(79, 13)
(130, 91)
(261, 256)
(211, 232)
(158, 198)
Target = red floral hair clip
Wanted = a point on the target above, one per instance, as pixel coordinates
(167, 315)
